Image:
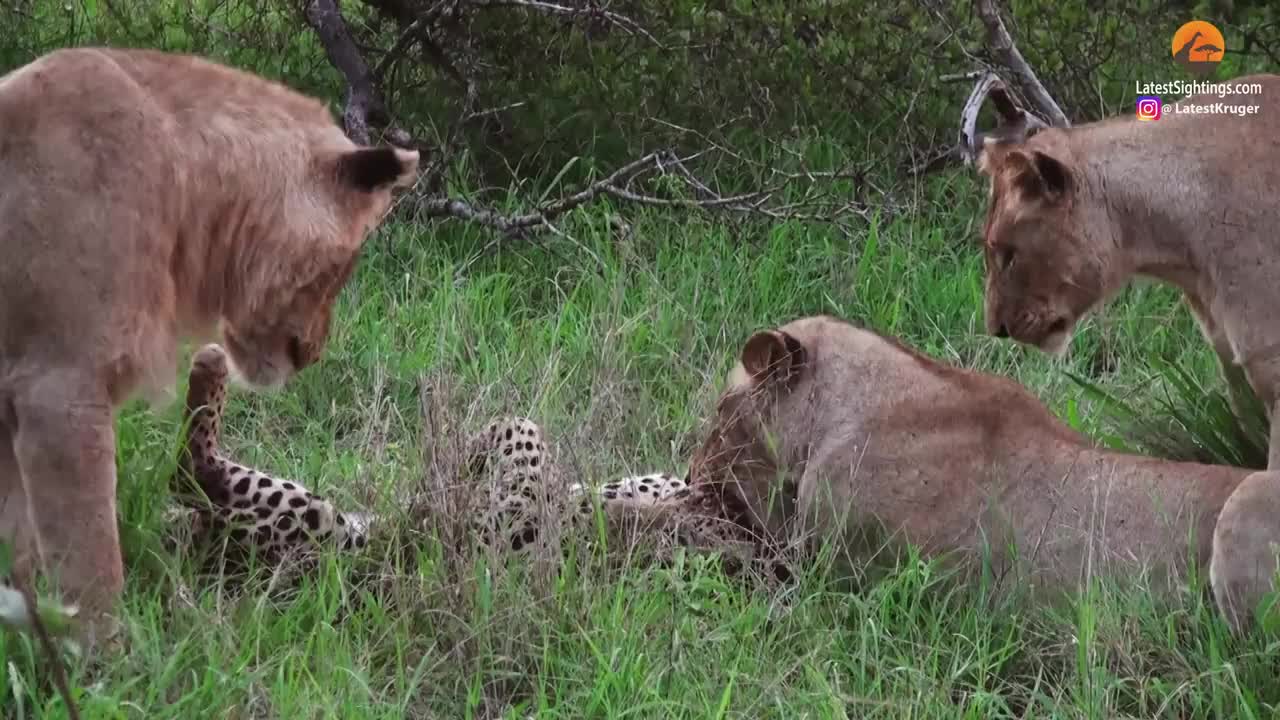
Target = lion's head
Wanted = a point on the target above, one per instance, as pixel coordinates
(777, 397)
(1045, 270)
(283, 284)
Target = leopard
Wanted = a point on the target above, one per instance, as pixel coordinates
(154, 199)
(525, 488)
(527, 506)
(514, 491)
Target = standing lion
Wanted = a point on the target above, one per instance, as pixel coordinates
(147, 199)
(1075, 214)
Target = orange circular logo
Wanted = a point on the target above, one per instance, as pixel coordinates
(1198, 46)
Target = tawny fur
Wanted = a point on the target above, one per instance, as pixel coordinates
(150, 198)
(833, 432)
(1189, 200)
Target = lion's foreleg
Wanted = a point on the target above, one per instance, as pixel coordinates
(1243, 396)
(65, 450)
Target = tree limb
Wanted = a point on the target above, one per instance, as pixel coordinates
(364, 103)
(1007, 53)
(1015, 123)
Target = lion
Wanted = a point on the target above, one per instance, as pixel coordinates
(830, 432)
(1189, 200)
(151, 199)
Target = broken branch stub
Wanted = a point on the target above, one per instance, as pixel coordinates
(1006, 53)
(1015, 125)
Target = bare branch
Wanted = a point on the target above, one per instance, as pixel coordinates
(614, 185)
(1015, 123)
(363, 100)
(407, 37)
(418, 30)
(513, 224)
(1007, 53)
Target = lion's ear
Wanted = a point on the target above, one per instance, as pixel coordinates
(991, 147)
(991, 152)
(370, 169)
(1040, 176)
(773, 353)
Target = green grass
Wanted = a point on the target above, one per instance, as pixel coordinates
(617, 345)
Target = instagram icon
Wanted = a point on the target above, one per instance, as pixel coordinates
(1149, 107)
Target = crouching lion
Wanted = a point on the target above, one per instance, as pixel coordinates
(150, 198)
(830, 431)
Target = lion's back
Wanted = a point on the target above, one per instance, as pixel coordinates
(110, 158)
(86, 160)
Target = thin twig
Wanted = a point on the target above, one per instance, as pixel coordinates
(416, 30)
(50, 649)
(453, 207)
(622, 21)
(614, 185)
(961, 77)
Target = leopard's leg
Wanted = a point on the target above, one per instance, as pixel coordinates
(256, 508)
(202, 417)
(523, 500)
(658, 504)
(632, 491)
(668, 511)
(645, 489)
(280, 514)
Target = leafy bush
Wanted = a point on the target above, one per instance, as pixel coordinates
(753, 75)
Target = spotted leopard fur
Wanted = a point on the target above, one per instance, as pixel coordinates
(253, 508)
(523, 492)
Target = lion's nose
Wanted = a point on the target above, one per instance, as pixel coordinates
(1002, 331)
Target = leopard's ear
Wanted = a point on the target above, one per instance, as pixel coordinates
(380, 168)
